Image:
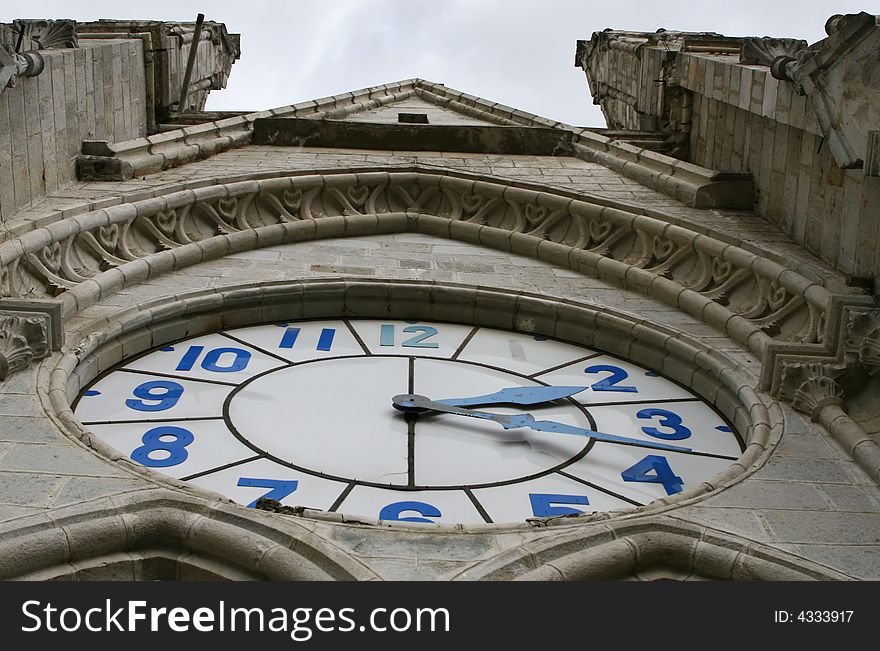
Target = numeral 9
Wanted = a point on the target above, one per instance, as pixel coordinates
(163, 393)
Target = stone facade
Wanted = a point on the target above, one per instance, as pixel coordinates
(804, 128)
(512, 221)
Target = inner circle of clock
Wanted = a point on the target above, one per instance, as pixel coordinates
(335, 417)
(408, 420)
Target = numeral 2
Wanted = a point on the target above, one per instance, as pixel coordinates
(610, 383)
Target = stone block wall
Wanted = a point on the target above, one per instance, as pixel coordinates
(95, 91)
(743, 119)
(800, 130)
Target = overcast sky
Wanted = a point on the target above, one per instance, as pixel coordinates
(517, 52)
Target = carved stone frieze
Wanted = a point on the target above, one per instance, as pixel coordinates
(716, 271)
(24, 337)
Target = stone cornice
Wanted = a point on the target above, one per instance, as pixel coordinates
(693, 185)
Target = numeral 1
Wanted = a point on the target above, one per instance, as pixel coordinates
(325, 341)
(387, 337)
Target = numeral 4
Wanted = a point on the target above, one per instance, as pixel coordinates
(654, 469)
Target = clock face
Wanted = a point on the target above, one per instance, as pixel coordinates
(302, 413)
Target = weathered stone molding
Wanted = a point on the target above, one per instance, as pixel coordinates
(660, 544)
(753, 300)
(694, 185)
(233, 542)
(104, 161)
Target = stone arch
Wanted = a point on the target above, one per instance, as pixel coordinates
(161, 534)
(657, 546)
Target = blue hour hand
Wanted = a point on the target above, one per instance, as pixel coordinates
(515, 396)
(409, 401)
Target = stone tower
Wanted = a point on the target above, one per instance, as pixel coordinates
(206, 317)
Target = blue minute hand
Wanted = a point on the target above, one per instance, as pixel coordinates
(514, 421)
(515, 396)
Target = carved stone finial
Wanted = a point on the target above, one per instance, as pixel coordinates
(764, 50)
(47, 34)
(22, 340)
(861, 339)
(811, 386)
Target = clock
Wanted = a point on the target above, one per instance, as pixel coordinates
(408, 421)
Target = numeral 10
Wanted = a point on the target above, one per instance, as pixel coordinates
(217, 360)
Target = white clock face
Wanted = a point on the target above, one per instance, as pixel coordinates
(302, 413)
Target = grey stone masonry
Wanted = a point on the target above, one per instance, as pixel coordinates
(95, 91)
(725, 107)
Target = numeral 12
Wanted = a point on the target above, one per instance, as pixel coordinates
(387, 336)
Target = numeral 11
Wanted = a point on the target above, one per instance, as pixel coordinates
(325, 341)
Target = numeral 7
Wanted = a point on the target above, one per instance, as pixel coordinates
(281, 488)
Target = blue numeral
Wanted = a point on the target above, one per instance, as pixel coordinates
(419, 340)
(386, 336)
(280, 488)
(212, 359)
(393, 511)
(189, 358)
(542, 504)
(668, 419)
(163, 392)
(610, 383)
(325, 341)
(152, 441)
(289, 338)
(662, 474)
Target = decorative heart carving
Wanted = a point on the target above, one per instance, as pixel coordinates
(534, 214)
(471, 202)
(662, 248)
(50, 256)
(778, 297)
(226, 207)
(721, 270)
(599, 231)
(166, 221)
(358, 194)
(291, 199)
(108, 236)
